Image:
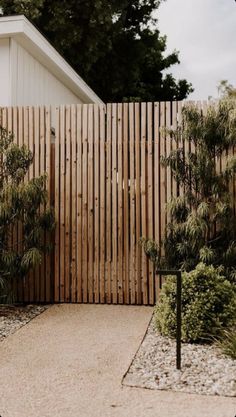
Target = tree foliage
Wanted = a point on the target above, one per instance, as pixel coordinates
(20, 204)
(226, 90)
(115, 45)
(203, 224)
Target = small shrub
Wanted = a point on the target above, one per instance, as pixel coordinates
(227, 343)
(208, 303)
(21, 204)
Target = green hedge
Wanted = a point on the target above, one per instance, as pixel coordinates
(208, 304)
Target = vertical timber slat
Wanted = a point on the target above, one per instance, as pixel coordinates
(73, 206)
(102, 202)
(62, 204)
(132, 268)
(85, 205)
(150, 196)
(108, 155)
(96, 203)
(90, 204)
(139, 298)
(57, 207)
(143, 199)
(126, 209)
(79, 157)
(120, 205)
(114, 204)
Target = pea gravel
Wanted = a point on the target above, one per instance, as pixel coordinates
(13, 317)
(204, 369)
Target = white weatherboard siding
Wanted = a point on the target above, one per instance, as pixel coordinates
(5, 90)
(33, 83)
(32, 72)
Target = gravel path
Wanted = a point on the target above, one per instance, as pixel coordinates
(13, 318)
(204, 369)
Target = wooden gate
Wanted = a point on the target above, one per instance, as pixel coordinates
(110, 190)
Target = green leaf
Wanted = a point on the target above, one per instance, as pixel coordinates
(207, 254)
(31, 258)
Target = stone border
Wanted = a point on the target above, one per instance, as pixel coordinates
(13, 317)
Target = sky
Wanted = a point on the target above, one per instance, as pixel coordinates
(204, 31)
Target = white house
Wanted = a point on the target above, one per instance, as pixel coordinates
(32, 72)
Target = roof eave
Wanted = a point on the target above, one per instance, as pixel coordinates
(31, 39)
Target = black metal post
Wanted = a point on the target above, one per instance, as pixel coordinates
(177, 273)
(178, 317)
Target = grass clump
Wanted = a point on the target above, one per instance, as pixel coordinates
(227, 343)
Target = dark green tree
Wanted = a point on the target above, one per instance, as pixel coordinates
(203, 223)
(114, 45)
(20, 204)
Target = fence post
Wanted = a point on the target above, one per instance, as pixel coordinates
(52, 205)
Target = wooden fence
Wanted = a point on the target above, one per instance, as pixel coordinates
(108, 189)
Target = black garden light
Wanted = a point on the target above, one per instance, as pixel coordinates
(177, 273)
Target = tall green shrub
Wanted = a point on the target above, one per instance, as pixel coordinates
(20, 204)
(203, 224)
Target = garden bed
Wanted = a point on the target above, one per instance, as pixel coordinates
(204, 369)
(13, 317)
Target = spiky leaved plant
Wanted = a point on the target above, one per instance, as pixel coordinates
(20, 204)
(203, 226)
(227, 342)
